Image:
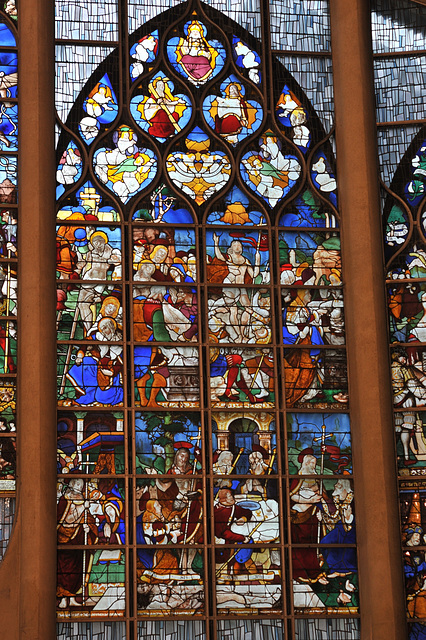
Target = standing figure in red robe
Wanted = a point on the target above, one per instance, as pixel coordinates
(305, 499)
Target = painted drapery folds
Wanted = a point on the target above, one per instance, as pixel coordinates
(204, 443)
(8, 266)
(404, 233)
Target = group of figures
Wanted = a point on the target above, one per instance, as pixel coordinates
(322, 511)
(91, 513)
(413, 527)
(171, 510)
(163, 109)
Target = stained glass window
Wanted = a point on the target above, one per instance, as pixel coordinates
(404, 245)
(8, 267)
(205, 483)
(400, 28)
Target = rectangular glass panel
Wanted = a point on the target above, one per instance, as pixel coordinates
(158, 569)
(7, 405)
(239, 315)
(168, 520)
(89, 312)
(86, 20)
(244, 443)
(407, 303)
(315, 378)
(250, 630)
(165, 314)
(248, 580)
(408, 371)
(7, 463)
(326, 437)
(410, 444)
(91, 582)
(317, 592)
(326, 629)
(162, 254)
(314, 313)
(414, 567)
(300, 25)
(7, 514)
(397, 25)
(8, 126)
(90, 512)
(8, 233)
(241, 378)
(309, 258)
(90, 375)
(237, 257)
(8, 179)
(8, 346)
(246, 512)
(160, 439)
(91, 631)
(91, 442)
(399, 88)
(88, 253)
(166, 376)
(171, 630)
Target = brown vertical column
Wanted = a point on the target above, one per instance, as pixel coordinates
(37, 301)
(379, 552)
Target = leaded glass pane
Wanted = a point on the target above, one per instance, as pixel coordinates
(87, 20)
(397, 25)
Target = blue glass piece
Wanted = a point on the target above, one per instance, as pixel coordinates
(323, 177)
(417, 631)
(293, 116)
(197, 135)
(126, 169)
(307, 211)
(415, 189)
(69, 169)
(143, 53)
(162, 114)
(231, 115)
(8, 74)
(246, 59)
(269, 172)
(193, 56)
(8, 126)
(7, 39)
